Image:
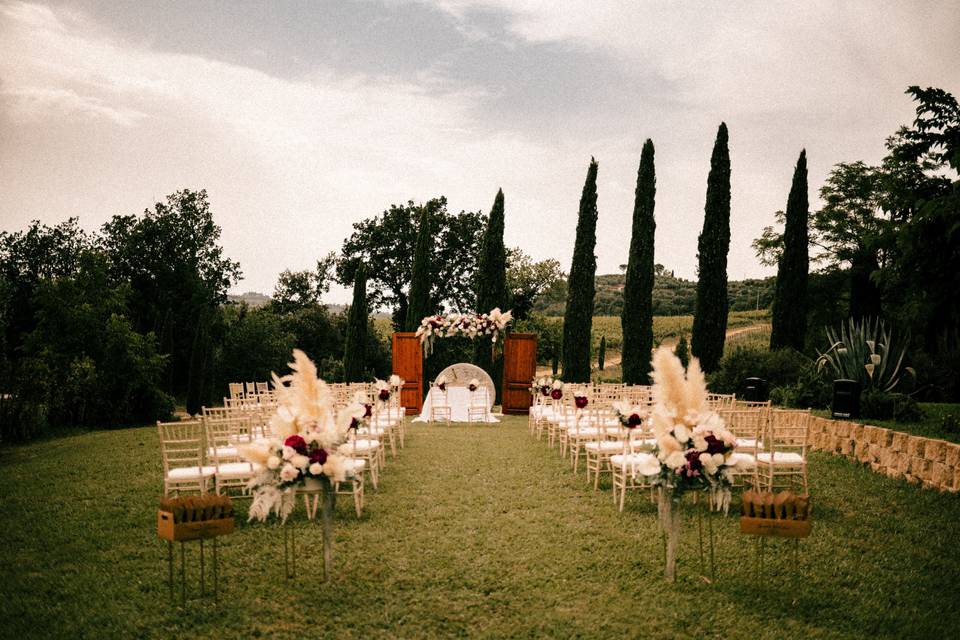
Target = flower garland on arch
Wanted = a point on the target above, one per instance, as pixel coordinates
(471, 325)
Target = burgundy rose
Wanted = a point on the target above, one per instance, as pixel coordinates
(580, 401)
(442, 386)
(384, 395)
(556, 394)
(634, 421)
(318, 455)
(714, 444)
(472, 387)
(297, 443)
(545, 390)
(367, 410)
(354, 423)
(693, 461)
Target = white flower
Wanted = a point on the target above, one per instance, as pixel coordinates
(675, 460)
(289, 473)
(299, 461)
(699, 442)
(441, 379)
(708, 465)
(681, 432)
(473, 382)
(288, 452)
(273, 462)
(649, 466)
(396, 381)
(558, 384)
(718, 459)
(316, 468)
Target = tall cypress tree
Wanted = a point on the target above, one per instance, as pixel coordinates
(637, 315)
(355, 345)
(491, 283)
(578, 317)
(790, 300)
(419, 305)
(710, 311)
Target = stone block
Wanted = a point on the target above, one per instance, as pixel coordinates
(920, 467)
(885, 437)
(870, 434)
(874, 452)
(934, 450)
(951, 454)
(846, 446)
(841, 428)
(915, 445)
(956, 478)
(899, 442)
(903, 464)
(856, 430)
(939, 475)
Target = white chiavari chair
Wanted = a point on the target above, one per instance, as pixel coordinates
(782, 462)
(182, 453)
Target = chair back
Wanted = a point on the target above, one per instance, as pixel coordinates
(788, 430)
(748, 425)
(181, 444)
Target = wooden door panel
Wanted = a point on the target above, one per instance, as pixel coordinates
(408, 364)
(519, 369)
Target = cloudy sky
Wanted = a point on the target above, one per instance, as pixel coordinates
(302, 118)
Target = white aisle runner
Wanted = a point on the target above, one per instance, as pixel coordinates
(459, 400)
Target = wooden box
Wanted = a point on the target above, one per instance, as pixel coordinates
(201, 529)
(775, 528)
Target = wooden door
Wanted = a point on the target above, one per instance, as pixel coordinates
(519, 369)
(408, 364)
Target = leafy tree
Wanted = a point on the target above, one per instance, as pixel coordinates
(386, 245)
(178, 275)
(636, 317)
(355, 346)
(256, 342)
(602, 353)
(578, 317)
(528, 280)
(790, 304)
(420, 302)
(299, 289)
(710, 314)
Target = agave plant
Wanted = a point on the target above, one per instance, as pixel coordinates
(867, 352)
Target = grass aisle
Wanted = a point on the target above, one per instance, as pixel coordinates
(477, 531)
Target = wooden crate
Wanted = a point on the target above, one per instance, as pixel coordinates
(775, 528)
(202, 529)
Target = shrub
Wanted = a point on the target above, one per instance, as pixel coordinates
(779, 368)
(950, 423)
(880, 405)
(811, 390)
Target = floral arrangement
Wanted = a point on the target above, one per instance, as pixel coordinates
(396, 382)
(384, 390)
(471, 325)
(473, 385)
(630, 416)
(557, 392)
(692, 444)
(306, 431)
(580, 398)
(541, 385)
(441, 382)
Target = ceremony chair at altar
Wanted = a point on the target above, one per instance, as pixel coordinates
(440, 406)
(782, 462)
(479, 406)
(465, 406)
(312, 497)
(182, 454)
(223, 436)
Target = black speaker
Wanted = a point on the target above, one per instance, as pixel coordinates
(846, 399)
(755, 390)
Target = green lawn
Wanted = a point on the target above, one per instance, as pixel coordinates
(476, 531)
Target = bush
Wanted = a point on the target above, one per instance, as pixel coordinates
(779, 368)
(811, 390)
(899, 407)
(950, 423)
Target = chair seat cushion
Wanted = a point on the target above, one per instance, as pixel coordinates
(235, 470)
(582, 432)
(603, 445)
(355, 465)
(747, 443)
(191, 473)
(360, 446)
(645, 464)
(223, 452)
(742, 461)
(784, 458)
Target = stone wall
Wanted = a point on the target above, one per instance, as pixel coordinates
(933, 463)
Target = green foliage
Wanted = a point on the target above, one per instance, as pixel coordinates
(256, 343)
(811, 390)
(386, 244)
(420, 304)
(602, 353)
(790, 303)
(527, 281)
(779, 368)
(301, 289)
(880, 405)
(491, 287)
(355, 344)
(710, 314)
(683, 351)
(950, 423)
(865, 351)
(637, 314)
(580, 286)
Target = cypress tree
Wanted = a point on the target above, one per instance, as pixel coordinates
(637, 315)
(710, 310)
(555, 364)
(790, 299)
(491, 281)
(683, 351)
(355, 345)
(602, 353)
(419, 305)
(578, 316)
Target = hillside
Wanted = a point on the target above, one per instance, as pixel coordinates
(671, 296)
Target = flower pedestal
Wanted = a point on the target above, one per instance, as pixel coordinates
(668, 510)
(323, 493)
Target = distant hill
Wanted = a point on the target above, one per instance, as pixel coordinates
(671, 296)
(252, 298)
